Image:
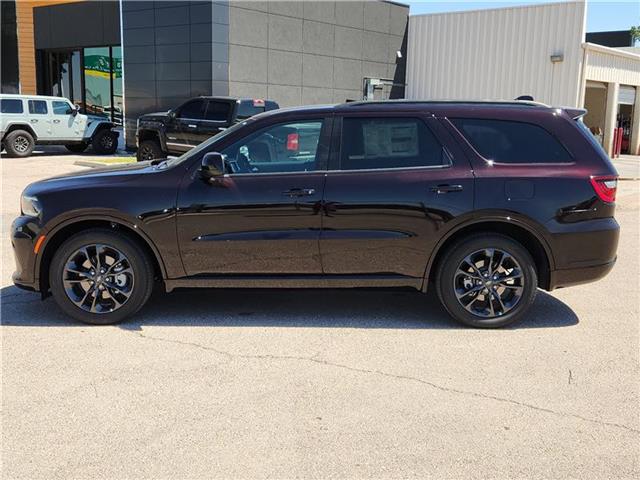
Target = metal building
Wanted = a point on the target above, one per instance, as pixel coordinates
(537, 50)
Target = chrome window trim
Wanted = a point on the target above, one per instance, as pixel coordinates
(369, 170)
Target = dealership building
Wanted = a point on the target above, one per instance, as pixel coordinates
(125, 58)
(542, 51)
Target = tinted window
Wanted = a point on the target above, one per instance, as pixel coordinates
(61, 108)
(287, 147)
(388, 143)
(247, 109)
(11, 106)
(38, 107)
(218, 111)
(512, 142)
(194, 110)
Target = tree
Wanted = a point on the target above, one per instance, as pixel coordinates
(635, 34)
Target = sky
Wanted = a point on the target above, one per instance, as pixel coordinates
(601, 15)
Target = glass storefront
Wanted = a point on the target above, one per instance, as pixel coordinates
(90, 77)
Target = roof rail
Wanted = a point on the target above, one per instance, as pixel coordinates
(361, 103)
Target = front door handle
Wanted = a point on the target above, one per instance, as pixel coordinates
(191, 125)
(446, 188)
(299, 192)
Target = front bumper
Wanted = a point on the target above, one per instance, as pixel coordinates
(24, 231)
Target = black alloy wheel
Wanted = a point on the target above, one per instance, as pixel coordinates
(487, 281)
(101, 276)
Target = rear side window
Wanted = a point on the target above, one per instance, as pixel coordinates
(504, 141)
(249, 108)
(38, 107)
(218, 111)
(378, 143)
(11, 105)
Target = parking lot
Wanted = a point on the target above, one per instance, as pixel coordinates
(351, 384)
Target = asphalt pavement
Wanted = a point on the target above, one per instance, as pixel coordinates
(320, 384)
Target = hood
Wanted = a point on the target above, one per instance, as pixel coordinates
(93, 176)
(154, 116)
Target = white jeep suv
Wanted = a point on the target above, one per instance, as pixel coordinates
(27, 120)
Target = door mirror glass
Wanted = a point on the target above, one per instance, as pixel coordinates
(212, 165)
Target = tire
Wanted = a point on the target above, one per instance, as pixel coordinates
(77, 147)
(137, 277)
(105, 142)
(508, 299)
(149, 150)
(19, 144)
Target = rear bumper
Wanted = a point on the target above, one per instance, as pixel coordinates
(584, 252)
(578, 276)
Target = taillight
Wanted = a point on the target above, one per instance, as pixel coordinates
(605, 187)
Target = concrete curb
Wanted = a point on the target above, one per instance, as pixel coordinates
(98, 163)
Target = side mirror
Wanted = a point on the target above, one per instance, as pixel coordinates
(74, 110)
(212, 165)
(172, 114)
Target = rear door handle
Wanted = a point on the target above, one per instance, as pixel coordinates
(446, 188)
(34, 120)
(56, 121)
(299, 192)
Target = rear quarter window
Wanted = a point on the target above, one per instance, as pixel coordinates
(504, 141)
(11, 105)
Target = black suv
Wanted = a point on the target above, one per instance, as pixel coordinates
(485, 201)
(179, 130)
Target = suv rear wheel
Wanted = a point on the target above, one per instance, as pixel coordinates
(105, 142)
(19, 143)
(100, 277)
(487, 281)
(149, 150)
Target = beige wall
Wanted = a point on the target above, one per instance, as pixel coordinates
(596, 103)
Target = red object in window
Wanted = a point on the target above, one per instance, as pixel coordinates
(292, 142)
(258, 102)
(605, 187)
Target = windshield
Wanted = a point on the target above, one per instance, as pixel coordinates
(206, 144)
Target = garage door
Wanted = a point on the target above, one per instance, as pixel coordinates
(627, 95)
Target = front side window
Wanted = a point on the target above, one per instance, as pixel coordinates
(38, 107)
(61, 108)
(193, 110)
(505, 141)
(218, 111)
(11, 105)
(379, 143)
(282, 148)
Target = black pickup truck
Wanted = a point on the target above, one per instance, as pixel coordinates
(179, 130)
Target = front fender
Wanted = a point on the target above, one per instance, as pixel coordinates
(117, 217)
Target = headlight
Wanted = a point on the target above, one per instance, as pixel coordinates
(30, 205)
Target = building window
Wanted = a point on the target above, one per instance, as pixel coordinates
(90, 78)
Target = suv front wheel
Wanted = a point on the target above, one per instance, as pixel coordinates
(149, 150)
(487, 281)
(100, 277)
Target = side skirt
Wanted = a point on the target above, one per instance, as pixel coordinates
(293, 281)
